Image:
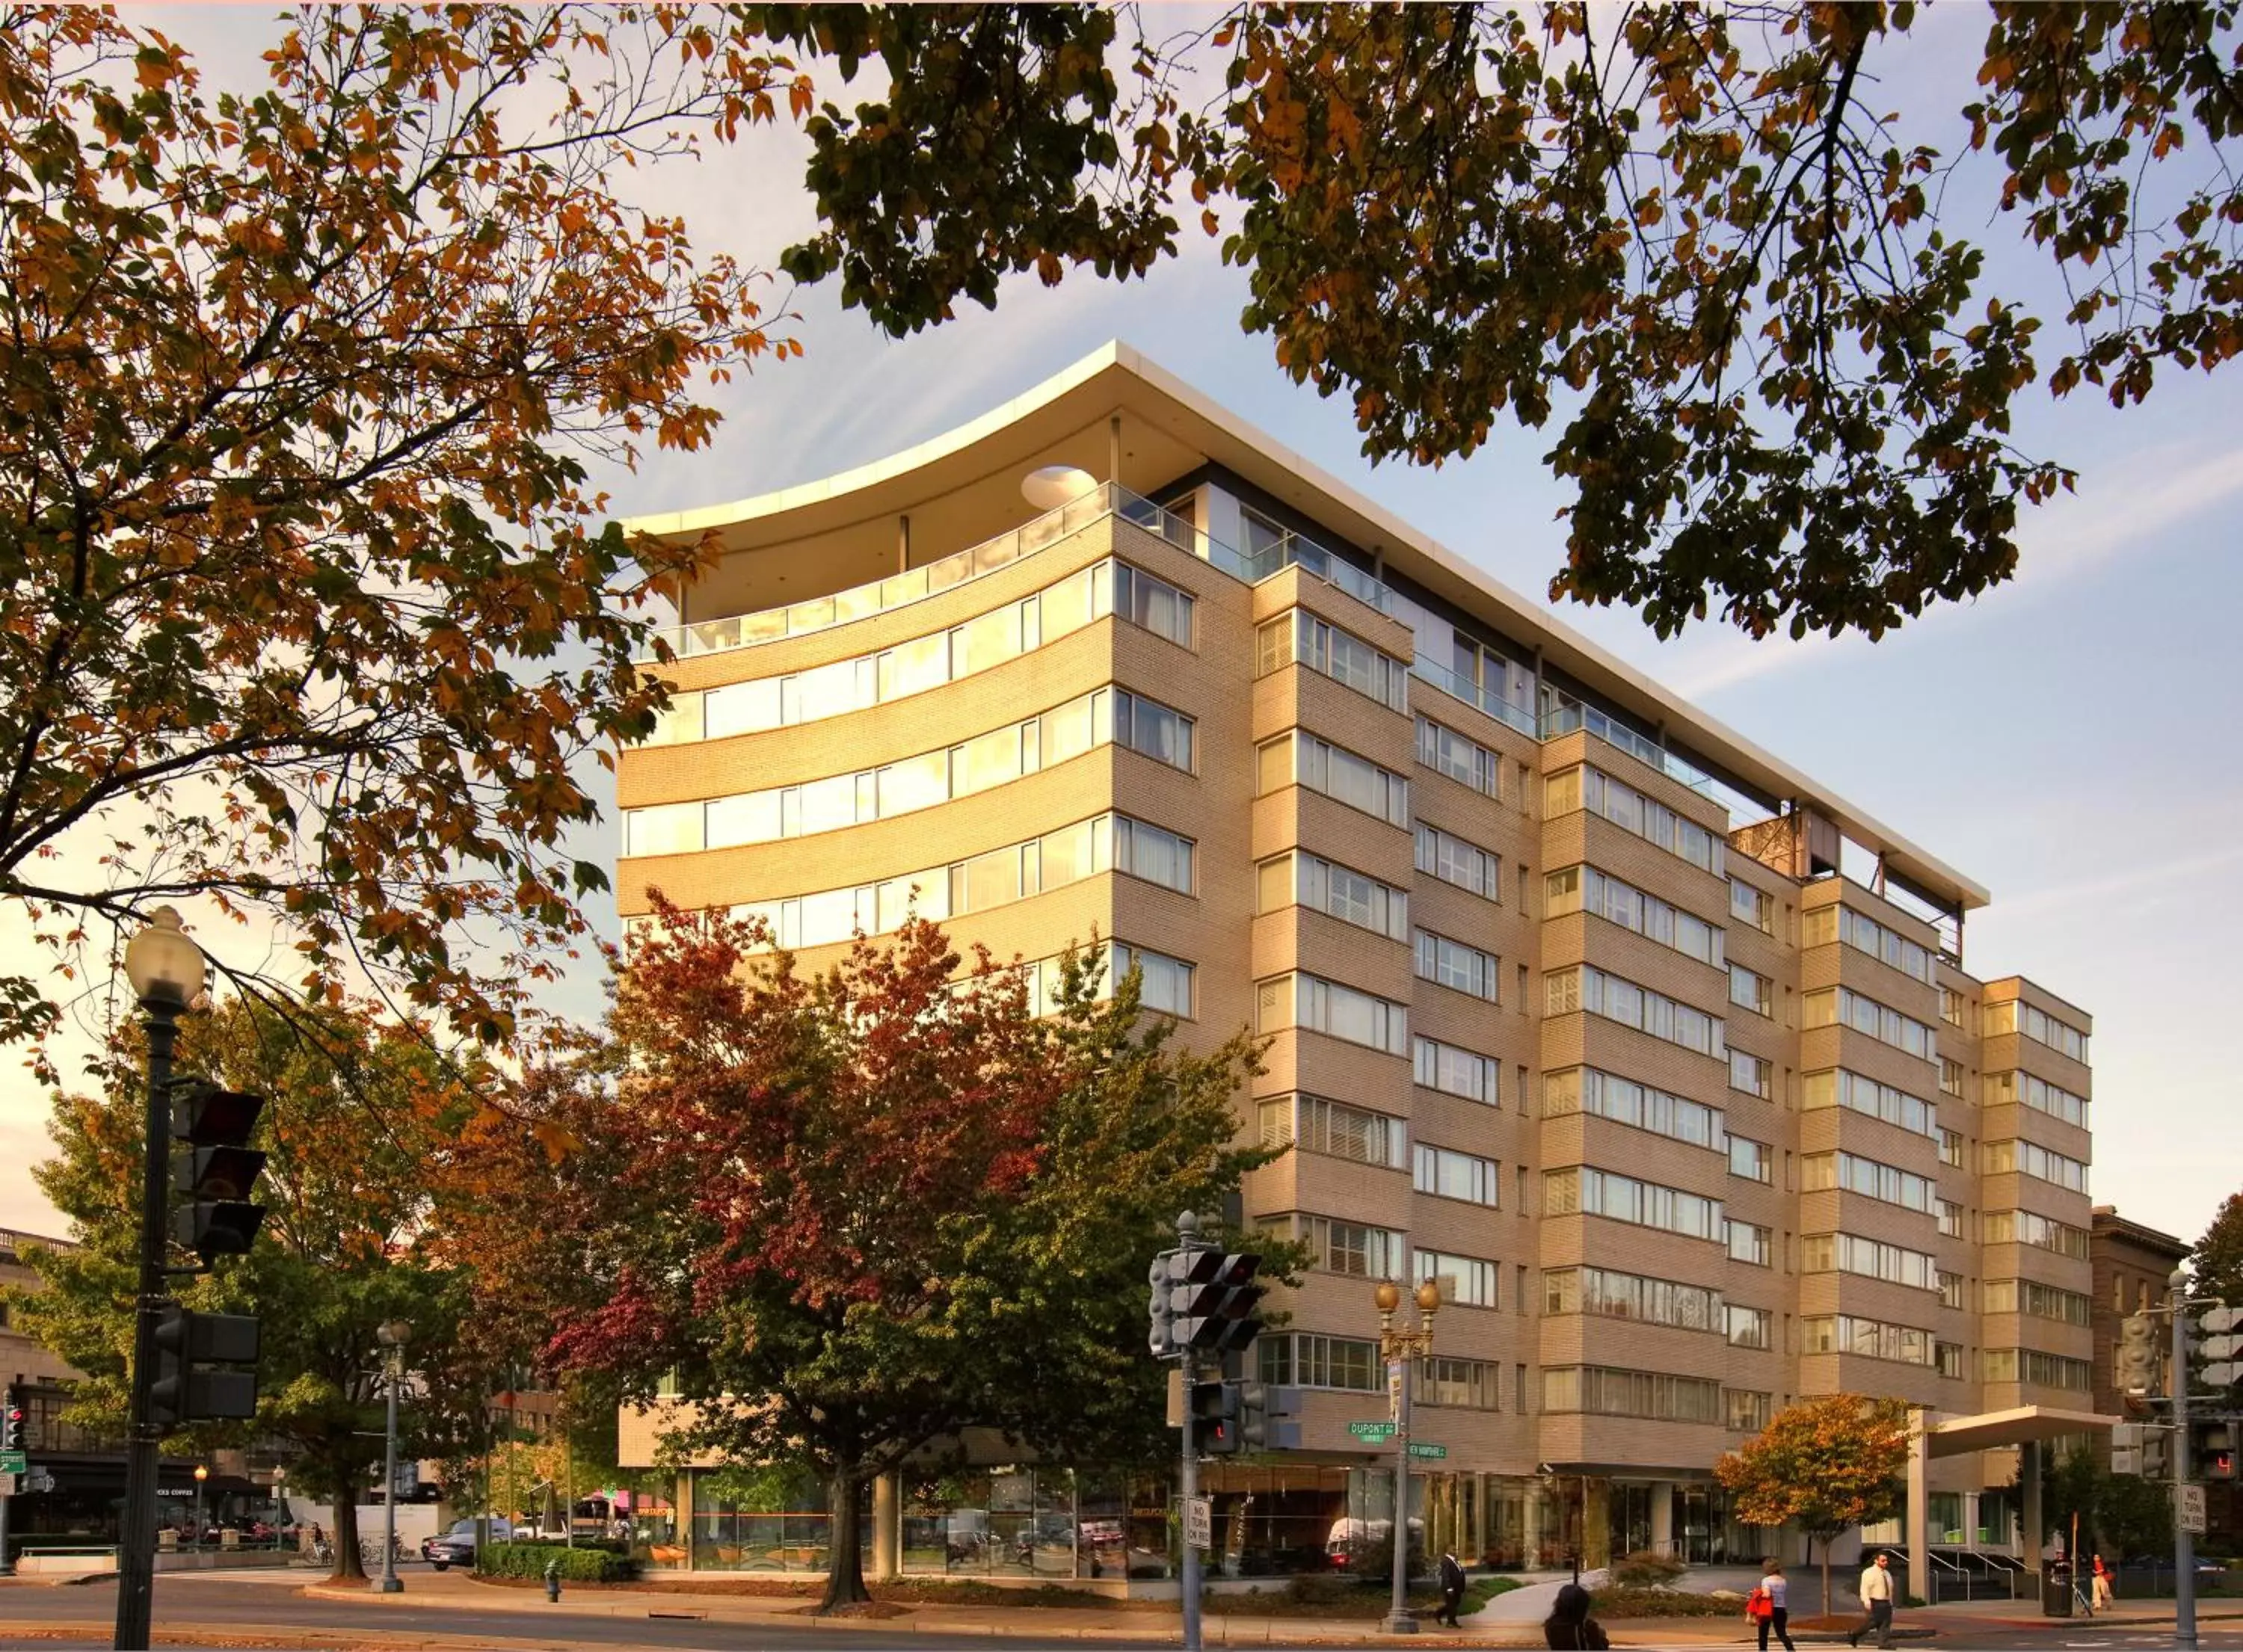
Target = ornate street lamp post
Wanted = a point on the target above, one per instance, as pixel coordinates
(167, 970)
(1399, 1348)
(393, 1334)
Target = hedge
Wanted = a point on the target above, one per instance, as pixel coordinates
(577, 1565)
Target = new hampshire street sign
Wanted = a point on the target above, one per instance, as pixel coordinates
(1371, 1431)
(1418, 1449)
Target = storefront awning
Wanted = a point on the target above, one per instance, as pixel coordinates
(1991, 1430)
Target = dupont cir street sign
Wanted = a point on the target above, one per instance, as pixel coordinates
(1371, 1431)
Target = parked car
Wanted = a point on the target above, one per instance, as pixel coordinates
(457, 1546)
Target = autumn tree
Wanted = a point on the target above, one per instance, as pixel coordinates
(2217, 1261)
(336, 1256)
(850, 1215)
(1717, 248)
(309, 603)
(1825, 1466)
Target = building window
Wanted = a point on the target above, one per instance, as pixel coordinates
(1165, 983)
(1452, 964)
(1338, 892)
(1600, 794)
(1748, 1243)
(1828, 924)
(1844, 1007)
(1951, 1148)
(1470, 1384)
(1839, 1088)
(2036, 1024)
(1585, 1090)
(1865, 1339)
(2041, 1370)
(1747, 1412)
(1951, 1289)
(1305, 1360)
(1850, 1253)
(2001, 1089)
(2030, 1227)
(1590, 1192)
(1948, 1358)
(1581, 987)
(1317, 1125)
(1155, 605)
(1444, 855)
(1465, 761)
(1630, 1296)
(1655, 1395)
(1464, 1281)
(2038, 1301)
(1353, 1248)
(1446, 1173)
(1577, 889)
(1749, 905)
(1851, 1173)
(1300, 637)
(1754, 1160)
(1318, 1005)
(1951, 1007)
(1752, 1075)
(1751, 992)
(1152, 729)
(1454, 1072)
(2030, 1159)
(1301, 759)
(1749, 1328)
(1950, 1077)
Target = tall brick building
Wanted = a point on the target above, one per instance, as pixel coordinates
(1659, 1055)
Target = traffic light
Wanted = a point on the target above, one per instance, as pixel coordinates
(2222, 1346)
(2156, 1454)
(188, 1346)
(1212, 1297)
(1214, 1418)
(2214, 1444)
(11, 1421)
(2137, 1355)
(1160, 1333)
(1265, 1417)
(218, 1170)
(2126, 1440)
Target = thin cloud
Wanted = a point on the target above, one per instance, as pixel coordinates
(2072, 895)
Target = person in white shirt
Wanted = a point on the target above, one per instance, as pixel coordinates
(1876, 1602)
(1778, 1591)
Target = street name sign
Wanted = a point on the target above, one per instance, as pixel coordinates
(13, 1463)
(1418, 1449)
(1374, 1432)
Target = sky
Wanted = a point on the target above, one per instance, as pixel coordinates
(2068, 739)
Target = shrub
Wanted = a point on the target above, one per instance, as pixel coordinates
(1373, 1562)
(577, 1565)
(1647, 1569)
(604, 1545)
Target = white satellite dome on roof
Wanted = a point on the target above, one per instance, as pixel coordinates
(1053, 485)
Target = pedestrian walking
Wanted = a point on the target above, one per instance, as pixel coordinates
(1453, 1591)
(2102, 1597)
(1876, 1602)
(1769, 1605)
(1569, 1628)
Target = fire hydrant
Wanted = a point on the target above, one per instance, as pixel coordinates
(553, 1580)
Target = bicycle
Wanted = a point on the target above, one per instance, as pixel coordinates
(369, 1550)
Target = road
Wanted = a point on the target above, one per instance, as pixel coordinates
(207, 1604)
(211, 1604)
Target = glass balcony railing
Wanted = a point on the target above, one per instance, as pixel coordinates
(1474, 695)
(1562, 714)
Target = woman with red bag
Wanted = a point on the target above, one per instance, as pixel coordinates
(1769, 1605)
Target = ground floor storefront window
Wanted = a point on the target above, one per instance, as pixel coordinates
(765, 1519)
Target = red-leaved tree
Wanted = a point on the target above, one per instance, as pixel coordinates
(853, 1214)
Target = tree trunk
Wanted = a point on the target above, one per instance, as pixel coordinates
(349, 1567)
(1827, 1542)
(845, 1573)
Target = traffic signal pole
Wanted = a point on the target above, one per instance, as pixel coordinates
(136, 1523)
(1187, 1483)
(2184, 1542)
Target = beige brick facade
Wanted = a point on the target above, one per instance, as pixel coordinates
(1944, 1349)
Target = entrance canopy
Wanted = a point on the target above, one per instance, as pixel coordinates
(2020, 1425)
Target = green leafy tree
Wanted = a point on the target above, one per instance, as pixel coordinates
(1825, 1466)
(2119, 1514)
(847, 1217)
(1710, 245)
(354, 1113)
